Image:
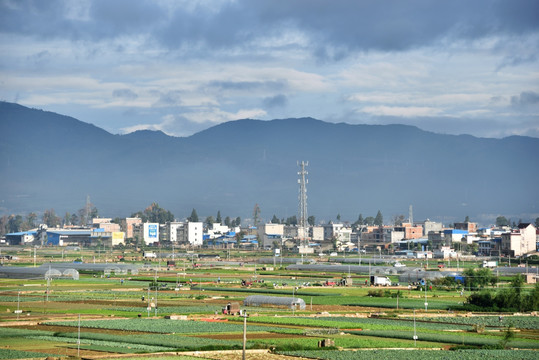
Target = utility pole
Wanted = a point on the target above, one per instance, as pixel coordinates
(244, 333)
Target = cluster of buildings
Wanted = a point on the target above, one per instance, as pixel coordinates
(426, 238)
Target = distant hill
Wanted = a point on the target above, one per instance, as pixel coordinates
(49, 160)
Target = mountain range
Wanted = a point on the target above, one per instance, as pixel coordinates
(48, 160)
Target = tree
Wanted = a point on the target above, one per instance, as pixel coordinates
(209, 221)
(398, 220)
(15, 223)
(275, 220)
(4, 220)
(227, 221)
(193, 217)
(237, 222)
(476, 279)
(311, 220)
(537, 222)
(369, 220)
(338, 217)
(50, 218)
(155, 214)
(292, 220)
(379, 219)
(94, 213)
(218, 218)
(31, 220)
(67, 219)
(467, 219)
(74, 219)
(502, 221)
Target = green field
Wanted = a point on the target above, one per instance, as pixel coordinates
(114, 318)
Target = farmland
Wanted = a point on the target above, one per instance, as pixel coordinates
(161, 313)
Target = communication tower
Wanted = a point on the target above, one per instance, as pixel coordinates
(88, 210)
(303, 181)
(411, 215)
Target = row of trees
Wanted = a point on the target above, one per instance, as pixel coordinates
(16, 223)
(378, 220)
(511, 298)
(503, 221)
(228, 221)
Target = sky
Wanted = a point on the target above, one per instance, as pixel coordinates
(182, 66)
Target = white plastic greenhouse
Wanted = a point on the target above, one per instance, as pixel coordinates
(259, 300)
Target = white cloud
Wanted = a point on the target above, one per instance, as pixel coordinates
(216, 116)
(400, 111)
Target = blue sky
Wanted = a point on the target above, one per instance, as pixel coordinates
(182, 66)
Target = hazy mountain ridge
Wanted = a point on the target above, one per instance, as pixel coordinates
(54, 161)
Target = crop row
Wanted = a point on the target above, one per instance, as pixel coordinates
(339, 322)
(463, 339)
(520, 322)
(112, 344)
(161, 326)
(415, 355)
(393, 323)
(170, 341)
(17, 354)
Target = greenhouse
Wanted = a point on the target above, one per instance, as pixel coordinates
(116, 268)
(16, 272)
(356, 269)
(290, 302)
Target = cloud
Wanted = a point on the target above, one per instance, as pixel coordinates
(273, 85)
(525, 99)
(216, 116)
(401, 111)
(331, 29)
(275, 101)
(124, 94)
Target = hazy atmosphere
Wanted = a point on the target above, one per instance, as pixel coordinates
(455, 67)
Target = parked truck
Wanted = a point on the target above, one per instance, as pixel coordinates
(380, 281)
(490, 264)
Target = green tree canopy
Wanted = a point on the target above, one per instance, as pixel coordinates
(292, 220)
(155, 214)
(50, 218)
(502, 221)
(369, 220)
(210, 220)
(15, 223)
(218, 218)
(311, 220)
(193, 217)
(379, 219)
(275, 220)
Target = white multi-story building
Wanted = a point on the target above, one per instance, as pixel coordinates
(150, 233)
(520, 241)
(173, 230)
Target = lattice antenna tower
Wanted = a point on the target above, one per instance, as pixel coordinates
(411, 215)
(303, 181)
(88, 209)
